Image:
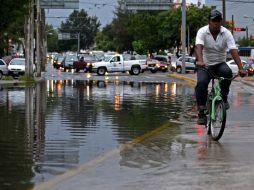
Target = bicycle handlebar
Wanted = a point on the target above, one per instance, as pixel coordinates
(217, 77)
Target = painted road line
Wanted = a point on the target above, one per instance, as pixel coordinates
(192, 80)
(93, 163)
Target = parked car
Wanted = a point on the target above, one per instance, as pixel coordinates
(69, 60)
(233, 66)
(16, 67)
(3, 68)
(249, 67)
(190, 64)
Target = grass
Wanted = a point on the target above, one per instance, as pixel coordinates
(24, 78)
(7, 78)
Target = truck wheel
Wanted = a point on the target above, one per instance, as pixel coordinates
(101, 71)
(179, 70)
(135, 70)
(77, 70)
(153, 70)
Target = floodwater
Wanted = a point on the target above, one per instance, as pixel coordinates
(56, 125)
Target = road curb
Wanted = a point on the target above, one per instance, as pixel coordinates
(192, 80)
(247, 82)
(183, 78)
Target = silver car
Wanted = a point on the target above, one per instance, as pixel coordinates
(190, 64)
(3, 68)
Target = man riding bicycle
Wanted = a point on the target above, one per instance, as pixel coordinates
(212, 43)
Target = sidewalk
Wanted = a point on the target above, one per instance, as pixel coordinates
(192, 77)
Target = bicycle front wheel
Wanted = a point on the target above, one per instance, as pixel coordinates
(217, 124)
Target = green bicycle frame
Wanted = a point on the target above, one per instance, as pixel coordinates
(214, 96)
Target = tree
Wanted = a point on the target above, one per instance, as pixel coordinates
(79, 23)
(52, 39)
(152, 30)
(170, 27)
(144, 28)
(12, 22)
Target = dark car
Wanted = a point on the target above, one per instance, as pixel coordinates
(85, 63)
(68, 61)
(58, 61)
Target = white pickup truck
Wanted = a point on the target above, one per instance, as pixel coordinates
(119, 63)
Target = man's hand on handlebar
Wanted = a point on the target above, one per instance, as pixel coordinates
(200, 64)
(242, 72)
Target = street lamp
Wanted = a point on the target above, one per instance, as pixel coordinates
(246, 16)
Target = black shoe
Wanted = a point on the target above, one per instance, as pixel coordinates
(202, 119)
(225, 100)
(227, 106)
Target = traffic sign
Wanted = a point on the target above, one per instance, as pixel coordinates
(239, 29)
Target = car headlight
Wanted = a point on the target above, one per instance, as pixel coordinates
(157, 65)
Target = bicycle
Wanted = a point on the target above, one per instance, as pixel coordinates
(215, 108)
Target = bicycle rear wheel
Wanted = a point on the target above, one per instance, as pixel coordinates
(217, 125)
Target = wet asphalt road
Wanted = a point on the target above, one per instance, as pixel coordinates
(163, 160)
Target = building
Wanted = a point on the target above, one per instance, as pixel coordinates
(137, 5)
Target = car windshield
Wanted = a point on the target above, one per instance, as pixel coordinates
(18, 62)
(90, 58)
(71, 58)
(248, 65)
(107, 57)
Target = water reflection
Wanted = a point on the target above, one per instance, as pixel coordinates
(55, 125)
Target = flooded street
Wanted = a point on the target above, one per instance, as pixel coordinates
(102, 134)
(57, 125)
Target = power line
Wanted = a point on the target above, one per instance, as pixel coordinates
(238, 1)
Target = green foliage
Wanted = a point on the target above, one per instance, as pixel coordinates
(246, 42)
(26, 78)
(147, 31)
(79, 22)
(12, 21)
(7, 77)
(52, 38)
(144, 28)
(139, 47)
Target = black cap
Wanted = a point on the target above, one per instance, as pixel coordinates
(215, 15)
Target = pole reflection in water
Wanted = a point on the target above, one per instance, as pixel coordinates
(56, 125)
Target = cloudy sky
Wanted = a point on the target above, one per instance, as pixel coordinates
(103, 9)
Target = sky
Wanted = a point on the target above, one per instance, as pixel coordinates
(104, 11)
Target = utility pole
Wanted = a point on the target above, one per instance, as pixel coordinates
(78, 42)
(247, 35)
(224, 11)
(233, 25)
(38, 38)
(183, 34)
(29, 40)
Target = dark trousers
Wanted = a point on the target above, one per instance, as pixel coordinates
(203, 80)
